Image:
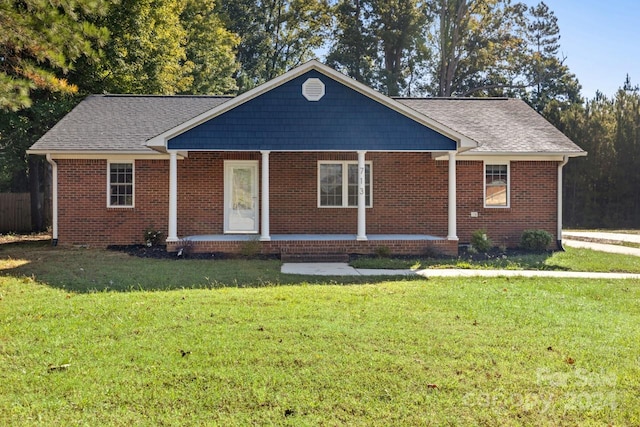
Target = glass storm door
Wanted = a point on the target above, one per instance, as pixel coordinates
(240, 196)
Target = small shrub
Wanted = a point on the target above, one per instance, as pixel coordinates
(480, 241)
(250, 248)
(152, 236)
(535, 240)
(383, 252)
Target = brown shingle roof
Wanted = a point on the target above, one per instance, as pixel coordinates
(498, 125)
(122, 123)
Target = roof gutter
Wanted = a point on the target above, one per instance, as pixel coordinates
(54, 200)
(559, 231)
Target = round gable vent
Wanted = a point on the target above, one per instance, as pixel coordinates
(313, 89)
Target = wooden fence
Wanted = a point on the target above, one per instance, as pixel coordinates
(15, 212)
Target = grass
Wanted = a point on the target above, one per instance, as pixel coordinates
(91, 270)
(573, 259)
(227, 343)
(456, 351)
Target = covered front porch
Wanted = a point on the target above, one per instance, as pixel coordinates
(294, 159)
(258, 219)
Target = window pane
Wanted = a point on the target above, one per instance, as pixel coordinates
(121, 180)
(330, 185)
(353, 185)
(497, 184)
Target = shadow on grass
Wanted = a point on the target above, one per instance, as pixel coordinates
(84, 270)
(510, 260)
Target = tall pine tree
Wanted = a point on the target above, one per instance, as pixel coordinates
(39, 42)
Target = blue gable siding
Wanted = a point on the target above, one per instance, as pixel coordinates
(283, 120)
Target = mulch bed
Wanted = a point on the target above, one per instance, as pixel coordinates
(160, 252)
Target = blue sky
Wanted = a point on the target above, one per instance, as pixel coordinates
(600, 40)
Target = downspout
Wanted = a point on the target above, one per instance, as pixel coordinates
(565, 159)
(54, 200)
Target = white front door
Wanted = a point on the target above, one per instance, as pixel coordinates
(241, 196)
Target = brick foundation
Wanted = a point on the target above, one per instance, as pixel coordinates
(310, 247)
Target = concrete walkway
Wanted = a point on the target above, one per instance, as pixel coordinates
(344, 269)
(601, 235)
(601, 241)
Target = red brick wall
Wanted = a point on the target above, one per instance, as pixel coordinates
(533, 202)
(409, 197)
(201, 191)
(83, 216)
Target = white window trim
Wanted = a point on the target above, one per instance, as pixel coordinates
(484, 183)
(345, 182)
(133, 184)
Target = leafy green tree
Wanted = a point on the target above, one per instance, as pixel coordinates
(39, 42)
(276, 35)
(399, 28)
(476, 46)
(380, 42)
(146, 52)
(354, 48)
(18, 131)
(210, 48)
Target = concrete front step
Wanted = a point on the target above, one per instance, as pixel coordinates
(319, 257)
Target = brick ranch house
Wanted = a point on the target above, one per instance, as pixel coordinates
(311, 162)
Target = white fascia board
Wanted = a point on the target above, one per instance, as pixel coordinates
(515, 156)
(57, 155)
(159, 142)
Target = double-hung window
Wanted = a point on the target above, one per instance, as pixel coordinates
(496, 185)
(120, 188)
(338, 184)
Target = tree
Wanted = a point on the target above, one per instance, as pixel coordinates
(18, 131)
(210, 48)
(399, 29)
(547, 75)
(603, 189)
(39, 42)
(353, 51)
(146, 51)
(476, 46)
(276, 35)
(627, 155)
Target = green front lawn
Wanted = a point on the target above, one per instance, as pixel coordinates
(573, 259)
(234, 346)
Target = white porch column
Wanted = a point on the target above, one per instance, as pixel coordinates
(452, 232)
(362, 206)
(173, 197)
(264, 235)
